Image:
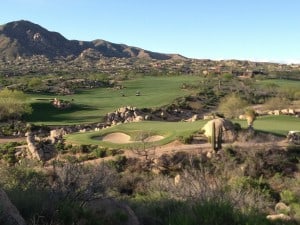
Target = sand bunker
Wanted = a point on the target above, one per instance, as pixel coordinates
(154, 138)
(118, 138)
(121, 138)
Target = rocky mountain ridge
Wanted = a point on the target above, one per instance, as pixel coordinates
(27, 49)
(25, 39)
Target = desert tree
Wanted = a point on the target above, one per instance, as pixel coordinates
(144, 149)
(13, 104)
(232, 105)
(82, 183)
(277, 102)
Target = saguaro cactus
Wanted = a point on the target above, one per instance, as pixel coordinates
(213, 136)
(216, 137)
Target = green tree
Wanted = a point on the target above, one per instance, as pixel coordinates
(232, 105)
(35, 83)
(13, 104)
(277, 103)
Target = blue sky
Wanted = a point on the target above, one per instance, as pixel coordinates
(262, 30)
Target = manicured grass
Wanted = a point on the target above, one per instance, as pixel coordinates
(91, 105)
(279, 125)
(170, 130)
(282, 84)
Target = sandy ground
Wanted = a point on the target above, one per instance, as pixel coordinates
(6, 140)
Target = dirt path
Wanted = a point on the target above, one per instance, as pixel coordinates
(199, 148)
(170, 148)
(12, 139)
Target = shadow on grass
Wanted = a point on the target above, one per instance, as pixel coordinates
(45, 112)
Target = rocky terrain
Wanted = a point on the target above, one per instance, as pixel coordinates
(28, 48)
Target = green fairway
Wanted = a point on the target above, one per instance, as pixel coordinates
(91, 105)
(279, 125)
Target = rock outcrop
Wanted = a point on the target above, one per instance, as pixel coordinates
(125, 115)
(35, 152)
(9, 214)
(42, 148)
(227, 127)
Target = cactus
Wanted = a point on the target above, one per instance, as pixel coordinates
(216, 137)
(219, 141)
(213, 136)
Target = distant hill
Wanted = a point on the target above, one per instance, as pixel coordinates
(26, 39)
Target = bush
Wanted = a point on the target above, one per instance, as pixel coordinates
(288, 197)
(99, 152)
(120, 163)
(205, 213)
(8, 151)
(186, 140)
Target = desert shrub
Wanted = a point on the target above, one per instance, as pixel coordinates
(266, 161)
(21, 177)
(237, 127)
(99, 152)
(70, 158)
(114, 152)
(186, 140)
(132, 183)
(8, 151)
(288, 197)
(85, 148)
(85, 157)
(60, 147)
(294, 149)
(26, 188)
(32, 201)
(207, 212)
(119, 163)
(12, 128)
(232, 105)
(69, 212)
(278, 102)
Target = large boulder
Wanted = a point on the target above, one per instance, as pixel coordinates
(225, 125)
(9, 214)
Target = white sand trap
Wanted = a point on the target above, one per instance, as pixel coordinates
(154, 138)
(118, 138)
(121, 138)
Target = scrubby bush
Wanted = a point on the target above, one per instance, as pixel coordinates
(8, 152)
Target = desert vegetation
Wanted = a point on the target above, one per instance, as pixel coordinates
(122, 141)
(164, 171)
(101, 133)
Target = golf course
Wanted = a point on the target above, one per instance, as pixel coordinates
(91, 105)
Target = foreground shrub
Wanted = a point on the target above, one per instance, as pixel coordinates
(166, 211)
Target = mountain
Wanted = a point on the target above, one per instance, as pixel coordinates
(26, 39)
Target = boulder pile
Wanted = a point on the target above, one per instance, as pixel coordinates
(125, 115)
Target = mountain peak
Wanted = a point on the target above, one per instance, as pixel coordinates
(24, 38)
